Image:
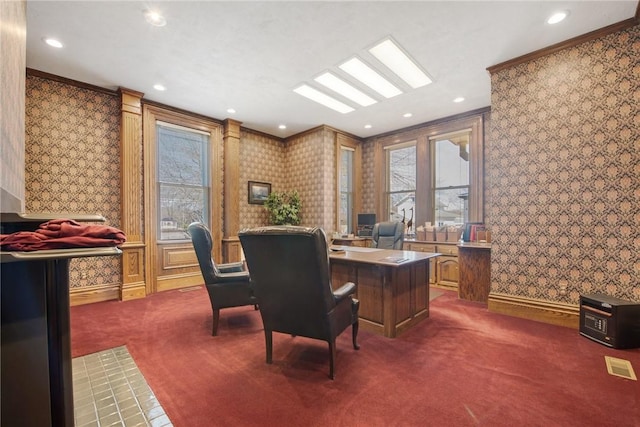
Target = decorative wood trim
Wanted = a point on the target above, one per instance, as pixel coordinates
(180, 111)
(179, 281)
(418, 127)
(231, 141)
(91, 294)
(131, 191)
(133, 291)
(323, 128)
(232, 249)
(343, 140)
(534, 309)
(593, 35)
(261, 134)
(158, 276)
(43, 75)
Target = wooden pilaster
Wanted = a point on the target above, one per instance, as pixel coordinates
(131, 198)
(231, 138)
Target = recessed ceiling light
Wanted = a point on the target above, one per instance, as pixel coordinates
(230, 110)
(407, 115)
(366, 75)
(321, 98)
(154, 18)
(282, 126)
(159, 87)
(52, 42)
(345, 89)
(399, 62)
(558, 17)
(367, 126)
(458, 99)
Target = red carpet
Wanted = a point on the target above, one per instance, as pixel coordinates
(463, 366)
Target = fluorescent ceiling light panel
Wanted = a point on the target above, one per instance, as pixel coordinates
(345, 89)
(321, 98)
(393, 57)
(366, 75)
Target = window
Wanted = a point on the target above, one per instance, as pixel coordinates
(451, 187)
(183, 179)
(348, 183)
(346, 189)
(401, 181)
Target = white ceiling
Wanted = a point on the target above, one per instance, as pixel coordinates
(213, 55)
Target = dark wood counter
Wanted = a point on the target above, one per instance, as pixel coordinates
(475, 271)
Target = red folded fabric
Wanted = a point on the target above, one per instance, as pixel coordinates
(62, 234)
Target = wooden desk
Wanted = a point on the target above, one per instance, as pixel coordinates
(393, 296)
(352, 241)
(475, 271)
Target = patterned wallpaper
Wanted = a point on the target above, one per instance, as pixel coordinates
(13, 30)
(261, 159)
(565, 172)
(310, 169)
(72, 162)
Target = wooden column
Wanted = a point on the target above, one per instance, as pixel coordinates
(131, 196)
(231, 245)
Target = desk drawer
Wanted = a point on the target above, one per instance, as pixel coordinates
(420, 247)
(451, 250)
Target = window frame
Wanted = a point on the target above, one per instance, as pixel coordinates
(162, 184)
(355, 145)
(422, 134)
(387, 180)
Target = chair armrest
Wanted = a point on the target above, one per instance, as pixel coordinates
(231, 267)
(344, 291)
(236, 276)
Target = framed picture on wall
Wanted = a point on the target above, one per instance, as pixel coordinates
(258, 192)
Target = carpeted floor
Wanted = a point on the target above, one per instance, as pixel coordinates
(462, 366)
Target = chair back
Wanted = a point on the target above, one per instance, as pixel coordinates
(388, 235)
(203, 245)
(290, 273)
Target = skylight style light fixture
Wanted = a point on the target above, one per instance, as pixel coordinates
(345, 89)
(458, 99)
(393, 57)
(159, 87)
(361, 71)
(558, 17)
(321, 98)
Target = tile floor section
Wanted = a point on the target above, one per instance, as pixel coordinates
(109, 390)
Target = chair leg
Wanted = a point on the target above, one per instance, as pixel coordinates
(332, 358)
(216, 318)
(354, 334)
(268, 337)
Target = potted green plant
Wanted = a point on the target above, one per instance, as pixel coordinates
(284, 207)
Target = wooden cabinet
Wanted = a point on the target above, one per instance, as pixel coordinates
(444, 270)
(475, 271)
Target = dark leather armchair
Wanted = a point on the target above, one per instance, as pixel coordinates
(291, 277)
(228, 285)
(388, 235)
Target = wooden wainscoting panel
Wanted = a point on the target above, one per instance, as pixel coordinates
(179, 281)
(178, 257)
(133, 281)
(533, 309)
(91, 294)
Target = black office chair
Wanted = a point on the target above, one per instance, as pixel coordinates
(292, 280)
(388, 235)
(229, 284)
